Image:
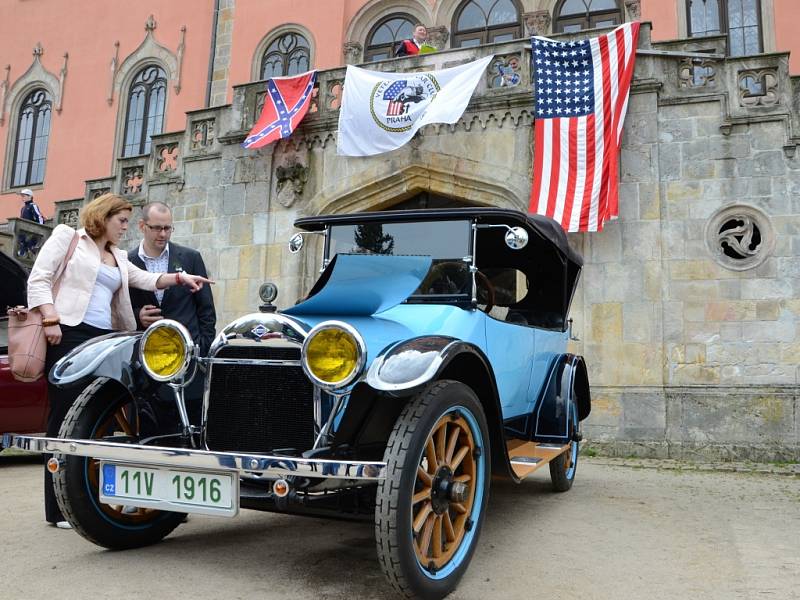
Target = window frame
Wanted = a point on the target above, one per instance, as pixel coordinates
(482, 34)
(588, 18)
(370, 51)
(725, 25)
(144, 142)
(26, 99)
(286, 57)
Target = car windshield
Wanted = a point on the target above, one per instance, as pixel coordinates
(446, 242)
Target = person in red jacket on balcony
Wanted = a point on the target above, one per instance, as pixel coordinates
(412, 46)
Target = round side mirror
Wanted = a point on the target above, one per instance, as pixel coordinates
(516, 238)
(296, 243)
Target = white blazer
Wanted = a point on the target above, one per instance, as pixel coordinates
(79, 279)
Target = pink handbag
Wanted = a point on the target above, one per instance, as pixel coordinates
(27, 346)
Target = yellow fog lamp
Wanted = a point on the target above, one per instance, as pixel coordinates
(166, 350)
(333, 354)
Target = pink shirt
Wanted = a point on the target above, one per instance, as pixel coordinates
(79, 279)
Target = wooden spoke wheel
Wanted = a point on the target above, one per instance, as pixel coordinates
(429, 509)
(444, 491)
(106, 411)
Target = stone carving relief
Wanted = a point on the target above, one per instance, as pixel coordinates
(35, 75)
(634, 9)
(28, 245)
(4, 92)
(334, 94)
(740, 237)
(167, 158)
(113, 73)
(132, 180)
(438, 36)
(96, 193)
(537, 23)
(696, 73)
(69, 217)
(202, 134)
(758, 87)
(290, 182)
(505, 71)
(353, 51)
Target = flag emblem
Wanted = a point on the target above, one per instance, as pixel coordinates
(285, 104)
(393, 103)
(581, 96)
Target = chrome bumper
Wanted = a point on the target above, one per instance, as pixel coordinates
(250, 465)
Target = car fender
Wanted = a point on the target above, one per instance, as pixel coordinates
(114, 355)
(567, 388)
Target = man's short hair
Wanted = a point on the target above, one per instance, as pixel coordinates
(159, 206)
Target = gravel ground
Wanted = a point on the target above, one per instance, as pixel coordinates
(628, 530)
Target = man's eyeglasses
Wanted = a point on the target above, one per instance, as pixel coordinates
(160, 228)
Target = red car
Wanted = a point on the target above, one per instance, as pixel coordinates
(23, 406)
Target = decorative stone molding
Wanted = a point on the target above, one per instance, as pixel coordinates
(132, 180)
(758, 87)
(202, 135)
(334, 94)
(62, 77)
(697, 73)
(353, 52)
(634, 9)
(167, 158)
(272, 35)
(290, 182)
(113, 73)
(739, 237)
(179, 53)
(537, 23)
(438, 36)
(3, 92)
(504, 71)
(149, 51)
(373, 11)
(69, 217)
(35, 76)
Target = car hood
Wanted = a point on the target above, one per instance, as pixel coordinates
(363, 284)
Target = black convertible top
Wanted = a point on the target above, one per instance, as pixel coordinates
(545, 227)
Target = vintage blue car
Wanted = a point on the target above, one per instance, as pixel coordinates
(429, 356)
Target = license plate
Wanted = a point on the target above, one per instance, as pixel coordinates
(169, 489)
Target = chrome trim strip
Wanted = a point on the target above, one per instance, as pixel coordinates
(253, 361)
(186, 458)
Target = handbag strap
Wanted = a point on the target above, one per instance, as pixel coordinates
(63, 267)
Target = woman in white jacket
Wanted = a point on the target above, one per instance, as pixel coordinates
(92, 300)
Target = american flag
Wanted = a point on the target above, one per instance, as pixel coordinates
(581, 93)
(286, 103)
(395, 108)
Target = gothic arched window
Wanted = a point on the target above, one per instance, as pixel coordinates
(739, 19)
(145, 117)
(288, 54)
(30, 145)
(386, 34)
(576, 15)
(486, 22)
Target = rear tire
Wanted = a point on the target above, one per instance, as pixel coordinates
(562, 468)
(429, 509)
(106, 410)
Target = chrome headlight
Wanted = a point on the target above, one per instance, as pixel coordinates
(166, 350)
(333, 355)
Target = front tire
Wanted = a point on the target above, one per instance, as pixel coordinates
(429, 509)
(105, 410)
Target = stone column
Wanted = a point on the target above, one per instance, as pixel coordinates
(352, 53)
(537, 23)
(222, 53)
(438, 36)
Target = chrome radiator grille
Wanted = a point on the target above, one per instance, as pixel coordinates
(259, 408)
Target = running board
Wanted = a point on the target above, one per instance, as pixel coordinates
(527, 457)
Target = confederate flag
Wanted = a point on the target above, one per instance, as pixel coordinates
(285, 105)
(581, 98)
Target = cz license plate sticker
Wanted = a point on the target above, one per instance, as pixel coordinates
(169, 489)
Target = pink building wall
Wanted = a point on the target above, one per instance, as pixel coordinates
(81, 144)
(82, 135)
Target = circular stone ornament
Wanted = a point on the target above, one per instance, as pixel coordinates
(740, 237)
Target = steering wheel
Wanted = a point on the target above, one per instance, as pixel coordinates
(485, 286)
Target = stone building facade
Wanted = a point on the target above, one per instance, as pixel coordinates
(689, 303)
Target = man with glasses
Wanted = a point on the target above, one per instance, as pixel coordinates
(195, 311)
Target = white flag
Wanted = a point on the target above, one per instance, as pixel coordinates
(382, 111)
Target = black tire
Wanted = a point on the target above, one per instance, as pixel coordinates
(446, 537)
(76, 484)
(563, 467)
